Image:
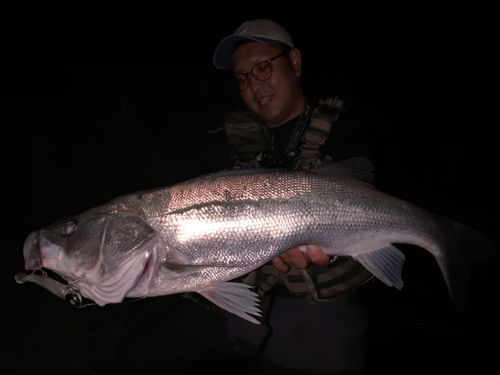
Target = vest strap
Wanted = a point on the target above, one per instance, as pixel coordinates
(317, 132)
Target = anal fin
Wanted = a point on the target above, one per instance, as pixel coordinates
(385, 264)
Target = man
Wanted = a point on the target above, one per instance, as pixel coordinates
(311, 318)
(282, 130)
(277, 100)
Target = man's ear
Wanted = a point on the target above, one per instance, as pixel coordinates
(296, 60)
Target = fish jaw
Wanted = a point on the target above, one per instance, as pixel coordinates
(31, 252)
(95, 284)
(40, 253)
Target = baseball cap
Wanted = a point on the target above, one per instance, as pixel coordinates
(259, 30)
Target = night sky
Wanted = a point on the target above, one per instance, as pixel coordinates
(100, 103)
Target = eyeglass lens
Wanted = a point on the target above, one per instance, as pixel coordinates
(261, 72)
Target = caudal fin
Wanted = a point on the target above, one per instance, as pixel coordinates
(466, 247)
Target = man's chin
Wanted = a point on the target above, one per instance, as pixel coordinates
(270, 117)
(273, 122)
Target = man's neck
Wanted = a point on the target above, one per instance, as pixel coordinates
(298, 109)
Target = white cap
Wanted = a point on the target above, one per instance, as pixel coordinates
(259, 30)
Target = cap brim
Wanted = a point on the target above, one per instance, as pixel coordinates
(222, 54)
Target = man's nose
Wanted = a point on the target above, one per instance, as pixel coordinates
(254, 84)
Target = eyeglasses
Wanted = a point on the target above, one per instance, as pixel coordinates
(261, 72)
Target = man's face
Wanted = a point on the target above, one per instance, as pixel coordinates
(280, 98)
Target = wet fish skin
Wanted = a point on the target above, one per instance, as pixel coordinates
(197, 235)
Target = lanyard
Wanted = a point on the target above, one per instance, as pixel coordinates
(299, 129)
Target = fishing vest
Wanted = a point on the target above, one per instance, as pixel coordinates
(251, 145)
(251, 141)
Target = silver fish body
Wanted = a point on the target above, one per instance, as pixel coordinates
(197, 235)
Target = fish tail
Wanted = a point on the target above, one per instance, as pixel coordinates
(464, 248)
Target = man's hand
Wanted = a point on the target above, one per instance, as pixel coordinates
(298, 259)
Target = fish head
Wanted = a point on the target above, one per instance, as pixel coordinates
(102, 254)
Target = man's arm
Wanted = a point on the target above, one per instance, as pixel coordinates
(347, 139)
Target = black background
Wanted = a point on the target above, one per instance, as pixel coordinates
(97, 103)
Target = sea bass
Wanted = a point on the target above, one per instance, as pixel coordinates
(198, 235)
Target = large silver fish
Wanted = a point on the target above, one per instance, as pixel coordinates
(197, 235)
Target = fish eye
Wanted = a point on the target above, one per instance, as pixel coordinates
(70, 228)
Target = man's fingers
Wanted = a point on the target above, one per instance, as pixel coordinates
(295, 258)
(280, 265)
(299, 259)
(317, 255)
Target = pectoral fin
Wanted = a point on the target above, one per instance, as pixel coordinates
(175, 257)
(385, 264)
(236, 298)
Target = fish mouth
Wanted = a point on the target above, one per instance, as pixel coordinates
(31, 252)
(131, 280)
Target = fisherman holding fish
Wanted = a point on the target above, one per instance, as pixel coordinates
(206, 235)
(317, 323)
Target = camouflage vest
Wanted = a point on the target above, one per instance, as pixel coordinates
(251, 148)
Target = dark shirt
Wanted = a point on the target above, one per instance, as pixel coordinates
(281, 135)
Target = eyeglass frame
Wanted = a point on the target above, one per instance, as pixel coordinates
(281, 54)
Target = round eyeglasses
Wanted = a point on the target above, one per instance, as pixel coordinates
(261, 72)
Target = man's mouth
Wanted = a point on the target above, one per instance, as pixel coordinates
(263, 101)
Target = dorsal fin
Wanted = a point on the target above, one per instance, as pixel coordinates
(358, 167)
